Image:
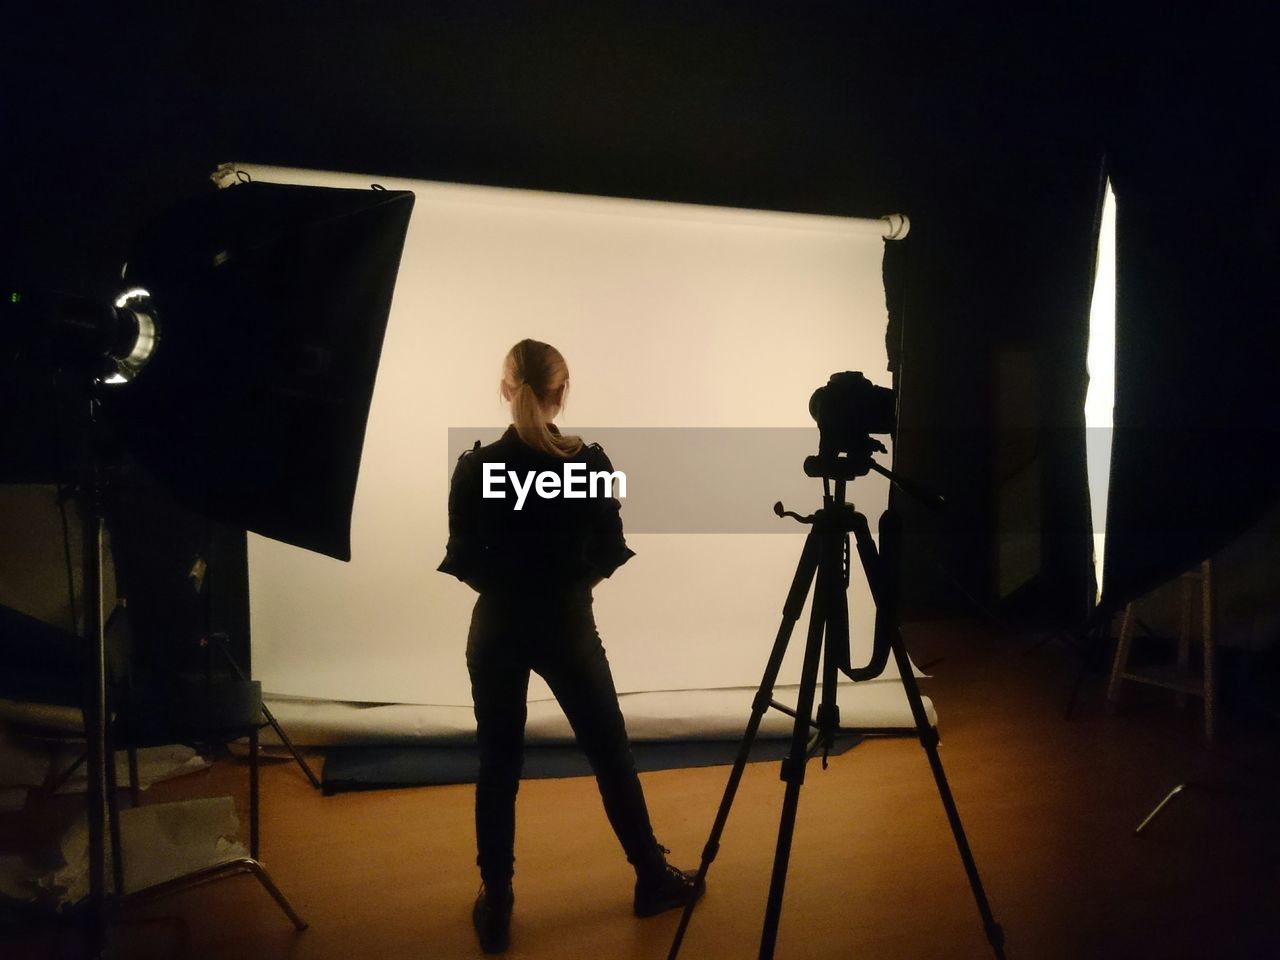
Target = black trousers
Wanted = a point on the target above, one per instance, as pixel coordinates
(555, 636)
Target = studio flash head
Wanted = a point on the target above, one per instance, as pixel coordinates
(108, 342)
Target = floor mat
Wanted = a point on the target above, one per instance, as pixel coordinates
(376, 768)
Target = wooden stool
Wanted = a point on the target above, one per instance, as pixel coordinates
(1177, 678)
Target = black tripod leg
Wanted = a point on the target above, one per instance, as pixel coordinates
(835, 656)
(929, 740)
(791, 611)
(829, 581)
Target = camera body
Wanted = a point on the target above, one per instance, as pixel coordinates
(847, 410)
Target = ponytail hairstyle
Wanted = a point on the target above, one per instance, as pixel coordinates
(534, 378)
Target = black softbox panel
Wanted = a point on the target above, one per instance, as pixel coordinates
(272, 303)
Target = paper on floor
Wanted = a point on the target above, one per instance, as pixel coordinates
(160, 842)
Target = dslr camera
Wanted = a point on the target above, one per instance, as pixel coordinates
(848, 409)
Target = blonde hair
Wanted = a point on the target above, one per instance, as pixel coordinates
(532, 374)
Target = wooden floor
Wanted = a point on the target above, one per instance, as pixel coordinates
(1050, 808)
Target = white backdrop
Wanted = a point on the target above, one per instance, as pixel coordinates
(669, 315)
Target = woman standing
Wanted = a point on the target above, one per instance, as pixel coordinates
(534, 568)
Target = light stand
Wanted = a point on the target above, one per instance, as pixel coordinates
(825, 564)
(95, 707)
(253, 410)
(101, 803)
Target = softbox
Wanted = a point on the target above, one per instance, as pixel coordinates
(272, 302)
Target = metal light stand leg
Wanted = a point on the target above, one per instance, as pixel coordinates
(113, 810)
(100, 760)
(270, 718)
(94, 708)
(284, 738)
(218, 871)
(135, 786)
(253, 793)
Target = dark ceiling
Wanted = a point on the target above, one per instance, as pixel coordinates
(855, 109)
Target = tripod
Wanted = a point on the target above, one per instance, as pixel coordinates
(825, 563)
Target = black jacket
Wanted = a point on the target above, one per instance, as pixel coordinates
(550, 544)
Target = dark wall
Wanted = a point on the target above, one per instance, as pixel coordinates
(986, 125)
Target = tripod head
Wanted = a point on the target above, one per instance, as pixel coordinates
(845, 465)
(832, 525)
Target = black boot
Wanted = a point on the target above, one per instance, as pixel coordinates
(491, 917)
(661, 887)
